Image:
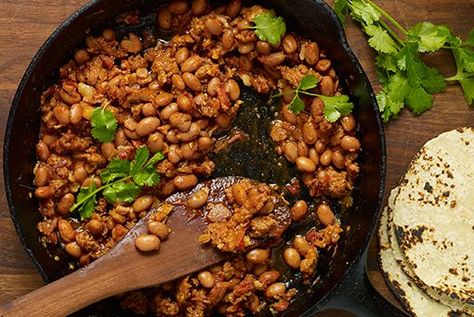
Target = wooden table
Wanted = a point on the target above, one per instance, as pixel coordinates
(25, 25)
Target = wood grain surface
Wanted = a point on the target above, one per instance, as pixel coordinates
(25, 25)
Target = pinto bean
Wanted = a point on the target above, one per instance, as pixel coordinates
(164, 99)
(205, 143)
(178, 6)
(164, 18)
(147, 242)
(338, 160)
(299, 210)
(159, 229)
(108, 35)
(61, 113)
(310, 135)
(73, 249)
(188, 150)
(147, 126)
(181, 55)
(263, 47)
(269, 277)
(245, 64)
(323, 65)
(227, 39)
(289, 116)
(258, 256)
(95, 227)
(325, 214)
(178, 82)
(306, 165)
(132, 44)
(192, 82)
(199, 198)
(167, 111)
(290, 150)
(301, 245)
(120, 138)
(81, 57)
(185, 103)
(44, 192)
(213, 86)
(233, 89)
(67, 232)
(206, 279)
(41, 176)
(273, 59)
(233, 8)
(191, 64)
(191, 134)
(289, 43)
(327, 86)
(348, 123)
(350, 144)
(311, 53)
(184, 182)
(292, 258)
(214, 26)
(199, 7)
(65, 203)
(303, 149)
(155, 142)
(75, 113)
(174, 154)
(276, 290)
(182, 121)
(223, 121)
(326, 158)
(148, 110)
(142, 203)
(108, 150)
(246, 48)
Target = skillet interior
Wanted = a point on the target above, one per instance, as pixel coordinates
(312, 19)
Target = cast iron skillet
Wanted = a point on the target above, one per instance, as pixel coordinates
(312, 19)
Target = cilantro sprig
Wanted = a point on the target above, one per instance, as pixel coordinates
(334, 107)
(104, 125)
(406, 80)
(123, 181)
(269, 28)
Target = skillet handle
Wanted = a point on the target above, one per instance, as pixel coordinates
(68, 294)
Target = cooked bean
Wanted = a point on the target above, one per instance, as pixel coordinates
(147, 242)
(326, 158)
(182, 121)
(184, 182)
(311, 53)
(167, 111)
(61, 113)
(118, 232)
(159, 229)
(199, 7)
(67, 232)
(323, 65)
(81, 57)
(185, 103)
(88, 181)
(117, 217)
(69, 97)
(155, 142)
(290, 151)
(313, 156)
(65, 203)
(338, 160)
(292, 258)
(273, 59)
(41, 176)
(289, 116)
(132, 44)
(348, 123)
(199, 198)
(320, 146)
(276, 290)
(245, 63)
(233, 89)
(42, 151)
(299, 210)
(181, 55)
(233, 8)
(258, 256)
(223, 121)
(289, 44)
(120, 138)
(214, 26)
(206, 279)
(165, 18)
(259, 269)
(269, 277)
(205, 143)
(164, 99)
(192, 82)
(191, 64)
(178, 6)
(79, 173)
(178, 82)
(174, 154)
(95, 227)
(49, 139)
(325, 214)
(303, 149)
(301, 245)
(239, 193)
(310, 135)
(148, 110)
(188, 150)
(108, 150)
(75, 113)
(213, 85)
(350, 144)
(73, 249)
(246, 48)
(227, 39)
(327, 86)
(263, 47)
(44, 192)
(190, 135)
(147, 126)
(304, 164)
(108, 35)
(142, 203)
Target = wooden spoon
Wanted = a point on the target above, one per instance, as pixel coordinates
(124, 268)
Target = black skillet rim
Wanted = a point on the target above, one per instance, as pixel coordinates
(46, 45)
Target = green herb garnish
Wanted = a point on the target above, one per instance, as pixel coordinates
(405, 78)
(104, 125)
(334, 107)
(269, 28)
(123, 181)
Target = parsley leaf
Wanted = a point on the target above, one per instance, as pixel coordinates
(86, 200)
(380, 40)
(121, 192)
(336, 106)
(269, 28)
(104, 125)
(430, 37)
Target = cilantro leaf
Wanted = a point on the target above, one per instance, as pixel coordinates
(466, 57)
(86, 201)
(380, 40)
(364, 12)
(116, 169)
(158, 156)
(148, 177)
(418, 100)
(141, 156)
(269, 28)
(467, 84)
(336, 106)
(432, 81)
(470, 39)
(297, 105)
(308, 82)
(104, 125)
(430, 37)
(341, 8)
(121, 192)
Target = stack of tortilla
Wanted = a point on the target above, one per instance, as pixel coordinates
(426, 232)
